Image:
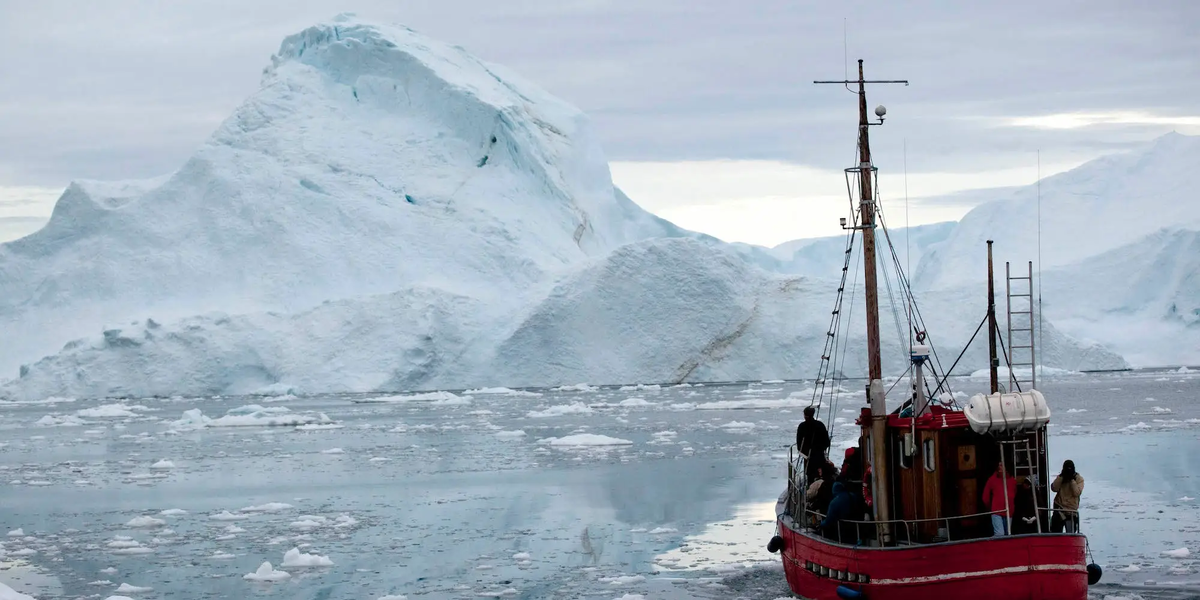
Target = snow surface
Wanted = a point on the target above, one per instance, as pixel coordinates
(388, 213)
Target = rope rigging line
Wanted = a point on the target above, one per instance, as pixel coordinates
(961, 354)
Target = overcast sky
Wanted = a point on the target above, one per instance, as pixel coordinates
(706, 108)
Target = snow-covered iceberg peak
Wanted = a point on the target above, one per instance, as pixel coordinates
(493, 116)
(371, 160)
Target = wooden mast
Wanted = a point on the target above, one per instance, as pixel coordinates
(993, 361)
(875, 396)
(880, 478)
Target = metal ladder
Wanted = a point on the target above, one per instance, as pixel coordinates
(1020, 333)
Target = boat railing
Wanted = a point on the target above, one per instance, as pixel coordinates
(1049, 512)
(909, 527)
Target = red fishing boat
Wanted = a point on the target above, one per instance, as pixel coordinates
(919, 528)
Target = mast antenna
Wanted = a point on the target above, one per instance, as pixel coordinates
(1039, 254)
(865, 171)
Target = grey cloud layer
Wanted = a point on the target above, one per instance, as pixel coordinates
(127, 89)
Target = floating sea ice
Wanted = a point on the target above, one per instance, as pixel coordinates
(173, 512)
(393, 597)
(309, 522)
(266, 572)
(510, 435)
(1186, 499)
(163, 464)
(343, 521)
(133, 589)
(579, 387)
(145, 522)
(17, 533)
(634, 597)
(634, 402)
(234, 529)
(296, 558)
(109, 570)
(587, 439)
(574, 408)
(522, 556)
(109, 411)
(738, 426)
(623, 579)
(268, 507)
(499, 594)
(219, 555)
(118, 598)
(63, 421)
(663, 530)
(1178, 553)
(98, 582)
(227, 516)
(333, 451)
(1129, 569)
(501, 391)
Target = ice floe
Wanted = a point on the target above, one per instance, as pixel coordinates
(266, 572)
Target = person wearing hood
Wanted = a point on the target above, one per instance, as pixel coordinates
(1068, 487)
(840, 508)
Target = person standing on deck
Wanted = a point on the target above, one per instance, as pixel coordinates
(812, 441)
(1069, 487)
(1000, 496)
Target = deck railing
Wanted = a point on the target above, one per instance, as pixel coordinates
(797, 508)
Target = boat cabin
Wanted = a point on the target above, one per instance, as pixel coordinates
(941, 459)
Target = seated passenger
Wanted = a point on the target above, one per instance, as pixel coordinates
(820, 492)
(841, 507)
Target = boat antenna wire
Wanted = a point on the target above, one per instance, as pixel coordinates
(907, 235)
(1033, 376)
(960, 355)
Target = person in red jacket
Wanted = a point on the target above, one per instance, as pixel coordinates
(1000, 496)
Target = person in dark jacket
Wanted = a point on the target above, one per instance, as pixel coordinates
(840, 508)
(812, 441)
(1025, 513)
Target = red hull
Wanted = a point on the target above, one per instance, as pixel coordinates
(1021, 567)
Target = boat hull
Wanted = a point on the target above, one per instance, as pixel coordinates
(1033, 567)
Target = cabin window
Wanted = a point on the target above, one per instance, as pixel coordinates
(906, 450)
(928, 456)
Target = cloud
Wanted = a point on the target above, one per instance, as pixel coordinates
(115, 90)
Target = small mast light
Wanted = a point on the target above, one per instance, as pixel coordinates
(843, 222)
(880, 111)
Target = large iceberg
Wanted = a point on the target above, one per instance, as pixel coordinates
(372, 159)
(389, 213)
